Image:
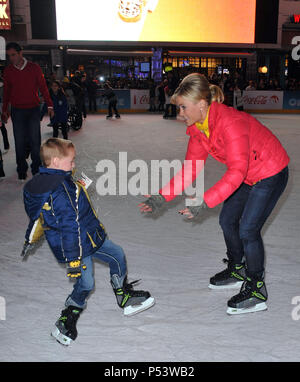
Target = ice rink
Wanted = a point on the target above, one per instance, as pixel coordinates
(174, 260)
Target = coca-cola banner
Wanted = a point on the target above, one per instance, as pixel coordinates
(139, 99)
(262, 100)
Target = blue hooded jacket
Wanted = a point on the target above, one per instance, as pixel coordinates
(60, 207)
(60, 106)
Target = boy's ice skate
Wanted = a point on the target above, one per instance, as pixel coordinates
(109, 117)
(65, 331)
(232, 277)
(252, 298)
(132, 301)
(118, 116)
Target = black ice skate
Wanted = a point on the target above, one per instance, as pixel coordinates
(109, 117)
(65, 327)
(232, 277)
(118, 116)
(252, 298)
(132, 301)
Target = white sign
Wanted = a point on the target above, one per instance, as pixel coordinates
(262, 100)
(139, 99)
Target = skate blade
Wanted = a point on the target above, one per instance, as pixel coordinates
(256, 308)
(238, 284)
(134, 309)
(64, 340)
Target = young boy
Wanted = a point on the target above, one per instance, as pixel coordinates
(60, 207)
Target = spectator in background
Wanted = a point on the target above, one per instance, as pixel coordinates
(3, 128)
(172, 85)
(60, 105)
(92, 87)
(22, 81)
(274, 84)
(161, 96)
(238, 97)
(251, 86)
(168, 95)
(77, 87)
(261, 85)
(152, 88)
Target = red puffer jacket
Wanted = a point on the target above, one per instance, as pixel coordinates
(250, 151)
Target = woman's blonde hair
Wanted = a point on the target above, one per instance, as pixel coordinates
(54, 147)
(195, 87)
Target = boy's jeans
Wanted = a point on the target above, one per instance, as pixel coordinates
(243, 216)
(109, 253)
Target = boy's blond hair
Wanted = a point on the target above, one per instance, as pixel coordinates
(54, 147)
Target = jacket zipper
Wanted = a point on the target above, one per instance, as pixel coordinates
(61, 242)
(77, 215)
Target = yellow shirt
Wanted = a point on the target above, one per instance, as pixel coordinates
(204, 126)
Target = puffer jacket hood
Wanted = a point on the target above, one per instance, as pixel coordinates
(37, 191)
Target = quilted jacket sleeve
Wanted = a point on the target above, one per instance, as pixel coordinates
(66, 214)
(235, 135)
(195, 158)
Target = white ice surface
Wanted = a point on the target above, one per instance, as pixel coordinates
(174, 259)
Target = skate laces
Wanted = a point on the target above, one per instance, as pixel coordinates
(248, 289)
(130, 285)
(226, 271)
(70, 315)
(128, 288)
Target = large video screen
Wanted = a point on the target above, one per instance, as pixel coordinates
(220, 21)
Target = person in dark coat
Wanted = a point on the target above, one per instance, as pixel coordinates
(60, 105)
(91, 88)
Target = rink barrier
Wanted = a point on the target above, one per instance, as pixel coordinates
(268, 101)
(254, 101)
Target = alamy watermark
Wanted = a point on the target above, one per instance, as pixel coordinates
(145, 179)
(296, 51)
(296, 311)
(2, 308)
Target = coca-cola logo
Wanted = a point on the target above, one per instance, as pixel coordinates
(260, 99)
(274, 99)
(141, 100)
(144, 99)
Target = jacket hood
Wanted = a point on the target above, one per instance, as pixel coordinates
(37, 191)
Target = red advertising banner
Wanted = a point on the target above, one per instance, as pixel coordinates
(5, 20)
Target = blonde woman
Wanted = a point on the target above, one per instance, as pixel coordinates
(256, 176)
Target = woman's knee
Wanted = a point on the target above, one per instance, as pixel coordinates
(249, 233)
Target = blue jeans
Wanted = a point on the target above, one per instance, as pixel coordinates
(110, 253)
(243, 216)
(27, 134)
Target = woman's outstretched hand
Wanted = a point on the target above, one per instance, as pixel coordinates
(153, 204)
(194, 211)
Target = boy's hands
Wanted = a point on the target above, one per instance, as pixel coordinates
(74, 269)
